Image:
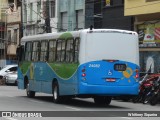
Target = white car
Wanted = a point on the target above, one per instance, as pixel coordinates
(11, 78)
(7, 69)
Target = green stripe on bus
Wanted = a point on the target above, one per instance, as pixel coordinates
(24, 66)
(66, 36)
(64, 70)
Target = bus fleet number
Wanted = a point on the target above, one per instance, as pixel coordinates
(94, 65)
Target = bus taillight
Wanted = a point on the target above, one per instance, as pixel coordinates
(84, 74)
(137, 75)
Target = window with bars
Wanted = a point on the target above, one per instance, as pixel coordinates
(52, 50)
(15, 36)
(69, 51)
(44, 49)
(52, 8)
(28, 51)
(36, 51)
(60, 55)
(76, 49)
(9, 36)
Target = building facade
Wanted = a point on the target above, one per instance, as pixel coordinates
(113, 16)
(10, 12)
(147, 24)
(39, 16)
(71, 15)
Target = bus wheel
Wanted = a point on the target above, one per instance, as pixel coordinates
(102, 100)
(55, 91)
(29, 93)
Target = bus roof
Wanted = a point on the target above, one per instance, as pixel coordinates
(71, 34)
(47, 36)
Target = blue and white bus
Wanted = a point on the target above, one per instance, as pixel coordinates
(96, 63)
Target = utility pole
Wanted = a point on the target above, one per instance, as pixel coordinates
(21, 26)
(47, 19)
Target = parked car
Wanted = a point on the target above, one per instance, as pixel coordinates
(7, 69)
(11, 78)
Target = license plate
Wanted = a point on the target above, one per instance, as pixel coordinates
(120, 67)
(110, 80)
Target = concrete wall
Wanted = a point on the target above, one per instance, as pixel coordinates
(69, 7)
(138, 7)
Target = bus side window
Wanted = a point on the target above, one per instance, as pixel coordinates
(60, 55)
(44, 49)
(76, 49)
(69, 50)
(28, 51)
(52, 50)
(36, 51)
(20, 53)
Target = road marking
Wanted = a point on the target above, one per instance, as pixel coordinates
(126, 118)
(10, 118)
(36, 101)
(73, 108)
(9, 96)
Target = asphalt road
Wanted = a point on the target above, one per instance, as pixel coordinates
(15, 101)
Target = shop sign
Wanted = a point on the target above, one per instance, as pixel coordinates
(149, 34)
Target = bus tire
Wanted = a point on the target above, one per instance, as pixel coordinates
(29, 93)
(102, 100)
(55, 91)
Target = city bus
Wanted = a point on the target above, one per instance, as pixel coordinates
(89, 63)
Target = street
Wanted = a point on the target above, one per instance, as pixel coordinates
(12, 99)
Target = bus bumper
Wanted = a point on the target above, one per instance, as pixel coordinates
(108, 90)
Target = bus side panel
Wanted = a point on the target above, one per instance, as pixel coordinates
(20, 79)
(66, 75)
(69, 86)
(48, 76)
(43, 76)
(40, 77)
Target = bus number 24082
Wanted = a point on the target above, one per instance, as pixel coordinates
(94, 65)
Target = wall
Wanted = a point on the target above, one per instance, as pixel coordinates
(69, 7)
(113, 17)
(138, 7)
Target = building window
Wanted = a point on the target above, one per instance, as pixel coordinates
(15, 36)
(79, 19)
(38, 10)
(31, 10)
(25, 13)
(44, 9)
(64, 23)
(9, 36)
(52, 8)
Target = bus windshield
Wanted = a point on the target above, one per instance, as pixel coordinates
(117, 46)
